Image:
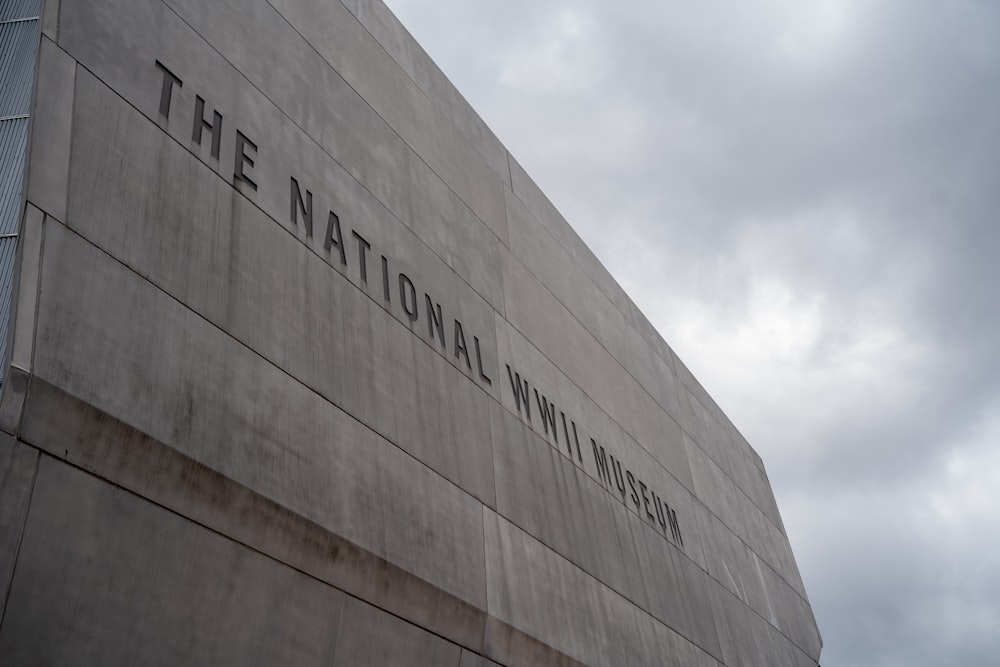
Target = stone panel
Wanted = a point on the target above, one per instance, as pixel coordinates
(140, 356)
(24, 292)
(470, 659)
(50, 19)
(714, 441)
(688, 380)
(745, 636)
(321, 127)
(546, 495)
(17, 477)
(534, 591)
(106, 578)
(666, 583)
(528, 192)
(532, 310)
(768, 542)
(787, 653)
(369, 636)
(352, 51)
(719, 493)
(572, 285)
(793, 617)
(734, 565)
(413, 60)
(701, 425)
(50, 131)
(70, 430)
(225, 25)
(755, 484)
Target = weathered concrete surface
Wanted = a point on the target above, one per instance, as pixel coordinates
(17, 477)
(51, 127)
(95, 558)
(236, 430)
(65, 427)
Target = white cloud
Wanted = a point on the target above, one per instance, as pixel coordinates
(560, 55)
(964, 498)
(812, 32)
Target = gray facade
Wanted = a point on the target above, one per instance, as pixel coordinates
(304, 369)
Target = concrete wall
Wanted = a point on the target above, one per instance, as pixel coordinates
(306, 369)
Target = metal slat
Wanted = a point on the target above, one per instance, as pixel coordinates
(18, 42)
(19, 9)
(19, 30)
(13, 139)
(8, 257)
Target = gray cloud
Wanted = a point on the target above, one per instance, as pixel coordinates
(803, 198)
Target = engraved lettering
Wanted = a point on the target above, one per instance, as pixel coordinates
(675, 528)
(304, 205)
(520, 392)
(201, 124)
(334, 237)
(434, 320)
(385, 279)
(166, 91)
(569, 444)
(548, 412)
(631, 483)
(616, 467)
(244, 161)
(406, 290)
(645, 501)
(460, 348)
(363, 248)
(479, 362)
(658, 503)
(601, 460)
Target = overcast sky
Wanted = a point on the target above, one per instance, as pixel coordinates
(803, 197)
